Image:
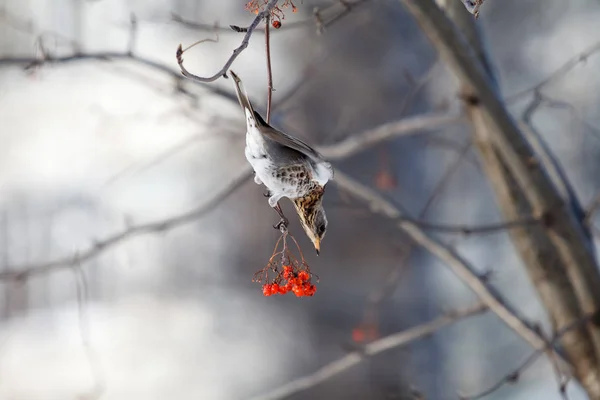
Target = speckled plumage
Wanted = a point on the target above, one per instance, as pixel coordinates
(288, 167)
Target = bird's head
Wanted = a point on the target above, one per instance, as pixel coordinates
(312, 216)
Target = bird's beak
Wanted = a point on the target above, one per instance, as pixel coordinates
(318, 245)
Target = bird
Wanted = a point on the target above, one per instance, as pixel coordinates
(288, 167)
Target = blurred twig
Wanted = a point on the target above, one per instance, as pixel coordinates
(17, 273)
(514, 375)
(245, 41)
(405, 126)
(460, 266)
(269, 71)
(558, 73)
(47, 58)
(412, 124)
(321, 19)
(387, 343)
(84, 331)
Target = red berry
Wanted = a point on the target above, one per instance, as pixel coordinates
(274, 288)
(276, 24)
(267, 290)
(303, 276)
(288, 272)
(358, 335)
(310, 289)
(298, 291)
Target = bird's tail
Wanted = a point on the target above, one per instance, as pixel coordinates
(241, 93)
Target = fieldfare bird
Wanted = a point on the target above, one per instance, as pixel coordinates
(288, 167)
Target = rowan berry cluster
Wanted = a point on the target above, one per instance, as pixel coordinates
(291, 281)
(277, 14)
(285, 273)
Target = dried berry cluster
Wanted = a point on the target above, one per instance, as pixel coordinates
(295, 282)
(290, 274)
(277, 14)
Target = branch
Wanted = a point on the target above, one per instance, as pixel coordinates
(469, 230)
(461, 267)
(387, 343)
(269, 71)
(514, 375)
(26, 271)
(549, 161)
(223, 72)
(321, 18)
(405, 126)
(557, 74)
(376, 297)
(31, 62)
(23, 271)
(565, 232)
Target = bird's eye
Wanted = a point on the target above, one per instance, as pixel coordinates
(321, 229)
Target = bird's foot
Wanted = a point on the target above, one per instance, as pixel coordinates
(284, 222)
(282, 225)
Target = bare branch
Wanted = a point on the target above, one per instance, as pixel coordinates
(23, 272)
(469, 230)
(406, 126)
(377, 296)
(31, 62)
(223, 72)
(461, 267)
(387, 343)
(321, 18)
(269, 71)
(84, 331)
(565, 232)
(514, 375)
(558, 74)
(551, 164)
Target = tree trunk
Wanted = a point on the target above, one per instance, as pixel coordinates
(557, 254)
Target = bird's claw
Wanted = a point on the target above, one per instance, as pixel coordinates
(282, 224)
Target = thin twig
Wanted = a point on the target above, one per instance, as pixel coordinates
(377, 296)
(387, 343)
(460, 266)
(513, 376)
(269, 71)
(328, 17)
(84, 331)
(405, 126)
(557, 74)
(17, 273)
(223, 71)
(31, 62)
(476, 229)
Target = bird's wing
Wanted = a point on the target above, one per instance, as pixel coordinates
(277, 136)
(286, 140)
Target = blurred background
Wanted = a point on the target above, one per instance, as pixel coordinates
(92, 146)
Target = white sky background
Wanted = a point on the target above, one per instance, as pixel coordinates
(68, 130)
